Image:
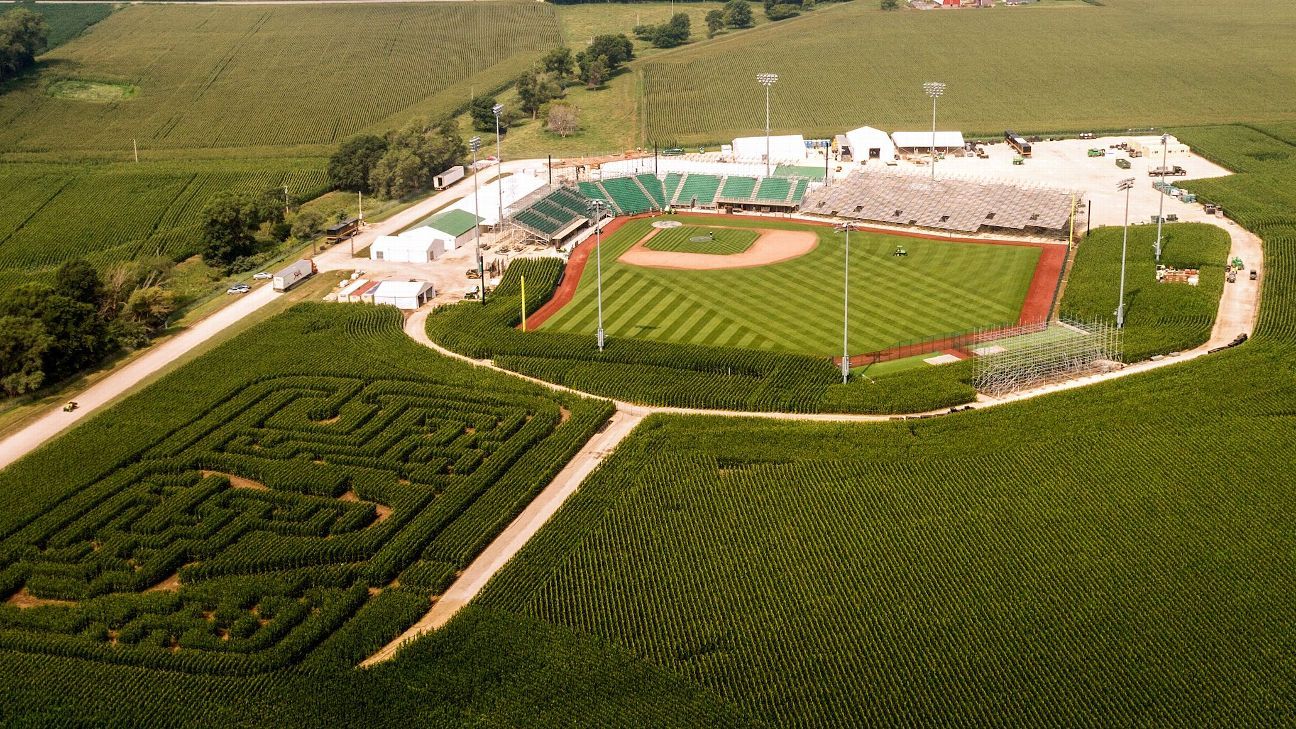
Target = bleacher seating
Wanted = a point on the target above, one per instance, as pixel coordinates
(594, 191)
(697, 190)
(553, 212)
(570, 200)
(773, 189)
(626, 194)
(653, 186)
(799, 190)
(671, 186)
(737, 188)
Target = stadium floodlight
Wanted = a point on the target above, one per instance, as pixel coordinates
(767, 80)
(1127, 184)
(475, 144)
(1161, 202)
(596, 207)
(499, 165)
(934, 89)
(845, 363)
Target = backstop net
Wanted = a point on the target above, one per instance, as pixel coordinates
(1063, 351)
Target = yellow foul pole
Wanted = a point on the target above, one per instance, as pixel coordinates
(524, 304)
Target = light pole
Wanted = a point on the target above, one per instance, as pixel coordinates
(1161, 202)
(499, 166)
(1126, 185)
(475, 144)
(934, 89)
(845, 364)
(596, 206)
(767, 80)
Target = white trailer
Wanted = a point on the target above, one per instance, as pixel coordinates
(293, 274)
(448, 178)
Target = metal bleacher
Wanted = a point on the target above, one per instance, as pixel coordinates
(671, 186)
(773, 189)
(737, 189)
(552, 214)
(697, 190)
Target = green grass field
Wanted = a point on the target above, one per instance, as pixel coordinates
(714, 240)
(1159, 318)
(224, 76)
(796, 306)
(1128, 74)
(67, 21)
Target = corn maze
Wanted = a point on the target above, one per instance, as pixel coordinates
(240, 540)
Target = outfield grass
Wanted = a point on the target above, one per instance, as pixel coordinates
(1127, 75)
(1159, 317)
(235, 76)
(715, 240)
(795, 306)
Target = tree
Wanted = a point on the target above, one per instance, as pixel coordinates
(738, 14)
(79, 281)
(228, 222)
(780, 11)
(618, 50)
(594, 71)
(715, 21)
(535, 89)
(672, 33)
(563, 119)
(23, 36)
(414, 155)
(890, 4)
(24, 344)
(482, 111)
(150, 307)
(350, 166)
(307, 225)
(559, 63)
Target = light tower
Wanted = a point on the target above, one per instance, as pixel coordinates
(845, 363)
(596, 207)
(1161, 202)
(934, 89)
(1126, 185)
(767, 80)
(475, 144)
(499, 166)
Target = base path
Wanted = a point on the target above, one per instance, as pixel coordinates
(772, 246)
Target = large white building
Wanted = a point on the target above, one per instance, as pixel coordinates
(420, 245)
(783, 148)
(407, 295)
(868, 143)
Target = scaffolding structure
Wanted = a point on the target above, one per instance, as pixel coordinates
(1064, 352)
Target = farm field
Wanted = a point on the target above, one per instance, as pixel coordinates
(243, 511)
(67, 21)
(1159, 318)
(1124, 78)
(113, 212)
(795, 306)
(262, 76)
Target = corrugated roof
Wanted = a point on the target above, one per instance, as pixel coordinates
(454, 222)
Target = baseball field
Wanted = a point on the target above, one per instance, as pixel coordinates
(783, 291)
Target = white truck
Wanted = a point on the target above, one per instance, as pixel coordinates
(293, 274)
(448, 178)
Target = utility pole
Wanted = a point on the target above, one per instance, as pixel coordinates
(499, 168)
(135, 146)
(475, 144)
(596, 206)
(845, 363)
(1126, 185)
(1161, 201)
(767, 80)
(285, 202)
(934, 89)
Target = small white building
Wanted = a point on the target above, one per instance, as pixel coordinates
(918, 141)
(407, 295)
(789, 148)
(1151, 148)
(868, 143)
(421, 245)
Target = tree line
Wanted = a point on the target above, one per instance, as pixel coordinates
(23, 36)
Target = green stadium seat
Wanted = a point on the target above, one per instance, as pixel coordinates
(654, 188)
(699, 190)
(626, 194)
(737, 188)
(671, 186)
(773, 189)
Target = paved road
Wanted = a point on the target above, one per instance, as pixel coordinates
(160, 355)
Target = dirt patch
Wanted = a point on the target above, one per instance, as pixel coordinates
(563, 415)
(383, 511)
(24, 599)
(238, 482)
(170, 584)
(772, 246)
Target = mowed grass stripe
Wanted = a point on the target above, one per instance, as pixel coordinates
(796, 305)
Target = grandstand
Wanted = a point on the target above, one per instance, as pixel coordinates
(697, 191)
(552, 214)
(965, 206)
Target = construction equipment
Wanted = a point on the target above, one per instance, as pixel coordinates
(1175, 171)
(1096, 152)
(1122, 163)
(1211, 208)
(1019, 160)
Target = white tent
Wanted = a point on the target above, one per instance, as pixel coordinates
(782, 148)
(402, 294)
(516, 187)
(923, 140)
(420, 245)
(869, 143)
